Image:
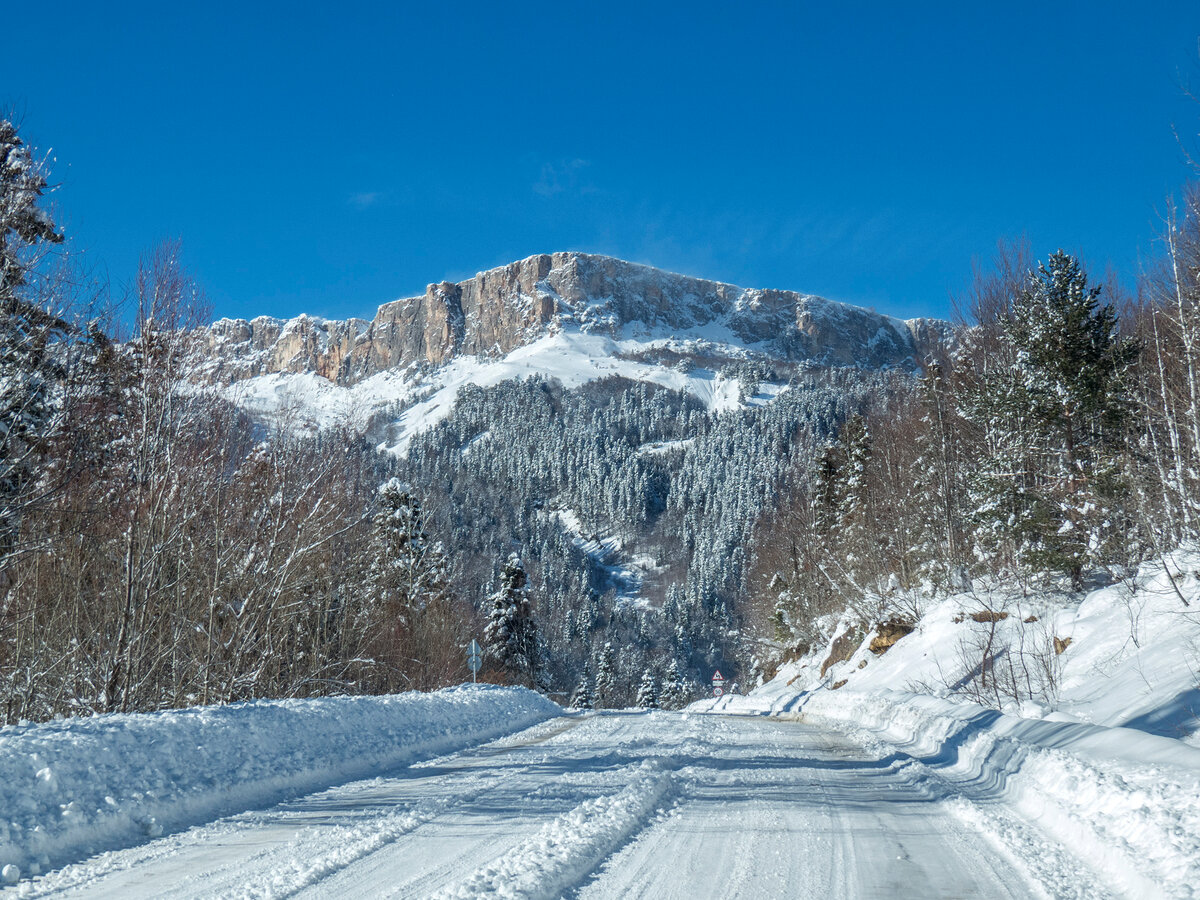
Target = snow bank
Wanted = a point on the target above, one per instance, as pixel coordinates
(72, 788)
(1129, 653)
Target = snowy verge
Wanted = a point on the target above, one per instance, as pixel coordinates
(72, 788)
(1126, 801)
(1127, 653)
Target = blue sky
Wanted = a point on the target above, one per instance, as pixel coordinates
(325, 158)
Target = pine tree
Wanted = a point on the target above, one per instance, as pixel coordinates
(510, 637)
(23, 224)
(856, 535)
(582, 697)
(30, 365)
(606, 678)
(409, 570)
(409, 593)
(674, 694)
(647, 697)
(1054, 423)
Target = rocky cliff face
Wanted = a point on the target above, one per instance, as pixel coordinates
(505, 308)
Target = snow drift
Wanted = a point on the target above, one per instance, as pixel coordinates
(77, 787)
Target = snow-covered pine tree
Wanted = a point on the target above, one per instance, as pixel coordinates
(1054, 423)
(674, 693)
(510, 637)
(29, 363)
(855, 529)
(647, 697)
(606, 677)
(409, 592)
(582, 696)
(23, 223)
(408, 568)
(830, 488)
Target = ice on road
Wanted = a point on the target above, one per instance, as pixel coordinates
(613, 805)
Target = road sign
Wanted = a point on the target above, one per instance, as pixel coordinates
(474, 658)
(718, 683)
(717, 692)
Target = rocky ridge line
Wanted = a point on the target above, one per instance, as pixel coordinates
(504, 308)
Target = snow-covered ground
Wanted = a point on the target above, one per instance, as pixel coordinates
(889, 784)
(625, 574)
(1127, 654)
(1097, 747)
(613, 805)
(77, 786)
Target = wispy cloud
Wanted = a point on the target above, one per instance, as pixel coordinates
(364, 199)
(562, 177)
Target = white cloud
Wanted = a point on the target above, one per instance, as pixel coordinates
(364, 199)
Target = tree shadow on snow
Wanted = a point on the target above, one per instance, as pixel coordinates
(1178, 718)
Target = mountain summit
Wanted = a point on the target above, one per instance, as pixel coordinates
(509, 307)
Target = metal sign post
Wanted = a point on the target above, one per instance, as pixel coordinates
(718, 683)
(474, 658)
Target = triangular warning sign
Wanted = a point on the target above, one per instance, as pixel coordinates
(717, 676)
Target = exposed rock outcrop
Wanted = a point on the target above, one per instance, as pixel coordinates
(505, 308)
(842, 648)
(887, 635)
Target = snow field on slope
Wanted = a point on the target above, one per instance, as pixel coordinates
(1132, 655)
(573, 357)
(74, 787)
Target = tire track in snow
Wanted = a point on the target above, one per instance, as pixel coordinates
(566, 849)
(314, 853)
(1048, 865)
(321, 852)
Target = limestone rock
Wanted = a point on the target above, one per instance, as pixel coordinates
(887, 635)
(504, 308)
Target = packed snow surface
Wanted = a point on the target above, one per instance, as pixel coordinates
(1097, 748)
(614, 805)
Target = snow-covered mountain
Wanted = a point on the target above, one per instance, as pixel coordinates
(621, 427)
(503, 309)
(574, 316)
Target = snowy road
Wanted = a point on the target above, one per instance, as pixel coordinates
(614, 805)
